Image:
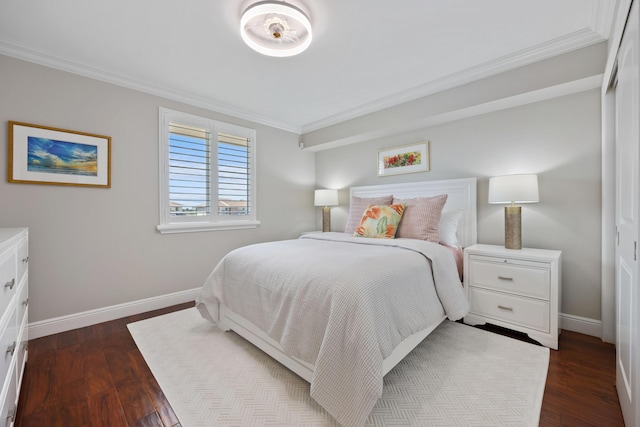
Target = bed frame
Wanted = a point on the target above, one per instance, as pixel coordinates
(462, 196)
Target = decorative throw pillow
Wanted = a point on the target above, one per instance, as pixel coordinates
(448, 227)
(380, 221)
(358, 205)
(421, 218)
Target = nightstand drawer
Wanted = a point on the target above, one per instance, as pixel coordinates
(527, 312)
(509, 277)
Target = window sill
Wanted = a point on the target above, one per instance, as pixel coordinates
(196, 227)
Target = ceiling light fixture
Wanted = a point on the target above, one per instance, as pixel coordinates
(275, 28)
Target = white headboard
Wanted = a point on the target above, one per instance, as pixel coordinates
(462, 195)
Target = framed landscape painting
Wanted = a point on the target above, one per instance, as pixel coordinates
(45, 155)
(405, 159)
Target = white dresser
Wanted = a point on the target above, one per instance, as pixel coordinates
(14, 302)
(518, 289)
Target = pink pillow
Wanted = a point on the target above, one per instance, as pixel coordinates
(357, 207)
(421, 218)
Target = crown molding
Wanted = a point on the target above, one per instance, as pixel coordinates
(44, 59)
(579, 39)
(576, 40)
(563, 89)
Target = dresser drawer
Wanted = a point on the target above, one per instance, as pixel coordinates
(22, 351)
(22, 304)
(8, 279)
(9, 407)
(23, 258)
(514, 278)
(8, 344)
(527, 312)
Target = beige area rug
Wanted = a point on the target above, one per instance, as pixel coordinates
(458, 376)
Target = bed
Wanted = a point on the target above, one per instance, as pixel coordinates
(341, 310)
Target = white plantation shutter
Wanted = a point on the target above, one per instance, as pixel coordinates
(189, 170)
(207, 174)
(234, 175)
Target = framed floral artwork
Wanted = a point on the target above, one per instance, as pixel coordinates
(45, 155)
(405, 159)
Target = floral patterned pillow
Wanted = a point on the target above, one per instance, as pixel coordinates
(357, 205)
(380, 221)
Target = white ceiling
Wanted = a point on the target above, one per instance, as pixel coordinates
(366, 54)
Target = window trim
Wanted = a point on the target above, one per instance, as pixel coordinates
(167, 223)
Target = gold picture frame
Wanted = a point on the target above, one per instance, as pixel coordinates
(52, 156)
(405, 159)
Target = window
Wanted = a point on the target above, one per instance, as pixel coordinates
(207, 174)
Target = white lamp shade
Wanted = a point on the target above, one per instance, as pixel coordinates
(514, 189)
(326, 197)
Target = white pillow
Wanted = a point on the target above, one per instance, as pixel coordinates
(448, 227)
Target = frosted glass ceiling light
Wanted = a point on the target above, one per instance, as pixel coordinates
(275, 28)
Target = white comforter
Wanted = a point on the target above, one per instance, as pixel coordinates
(339, 302)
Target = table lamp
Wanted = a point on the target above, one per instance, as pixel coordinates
(326, 198)
(513, 189)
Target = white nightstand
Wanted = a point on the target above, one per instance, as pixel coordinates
(518, 289)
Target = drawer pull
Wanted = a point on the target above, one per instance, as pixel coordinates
(25, 302)
(12, 348)
(10, 284)
(11, 415)
(25, 260)
(505, 278)
(502, 307)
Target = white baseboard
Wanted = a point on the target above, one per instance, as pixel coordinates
(581, 325)
(56, 325)
(105, 314)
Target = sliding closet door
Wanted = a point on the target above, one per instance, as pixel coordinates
(627, 204)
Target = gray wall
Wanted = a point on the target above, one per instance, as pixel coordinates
(94, 248)
(91, 247)
(567, 70)
(558, 139)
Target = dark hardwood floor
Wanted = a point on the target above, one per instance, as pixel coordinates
(96, 376)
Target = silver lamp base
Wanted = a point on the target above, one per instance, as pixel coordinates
(512, 228)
